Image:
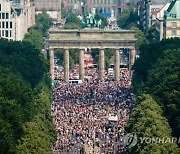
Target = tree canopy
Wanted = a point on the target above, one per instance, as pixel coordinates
(146, 121)
(127, 19)
(157, 72)
(24, 59)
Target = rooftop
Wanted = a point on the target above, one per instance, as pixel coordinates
(173, 11)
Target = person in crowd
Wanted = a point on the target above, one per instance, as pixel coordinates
(82, 113)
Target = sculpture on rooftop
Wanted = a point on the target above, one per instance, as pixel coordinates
(89, 21)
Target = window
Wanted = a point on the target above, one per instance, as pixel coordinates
(7, 15)
(2, 32)
(173, 15)
(3, 15)
(11, 24)
(6, 33)
(108, 1)
(173, 32)
(7, 25)
(174, 24)
(0, 15)
(3, 25)
(10, 34)
(0, 7)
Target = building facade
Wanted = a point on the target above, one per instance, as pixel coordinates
(148, 10)
(107, 8)
(160, 22)
(15, 18)
(52, 7)
(172, 20)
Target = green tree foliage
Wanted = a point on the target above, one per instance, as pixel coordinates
(74, 54)
(164, 83)
(24, 59)
(140, 36)
(73, 57)
(146, 120)
(72, 22)
(39, 30)
(39, 134)
(108, 53)
(43, 23)
(59, 53)
(25, 119)
(127, 18)
(16, 108)
(35, 38)
(72, 26)
(64, 11)
(157, 72)
(149, 53)
(104, 20)
(151, 33)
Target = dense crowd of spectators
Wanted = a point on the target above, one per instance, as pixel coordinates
(90, 117)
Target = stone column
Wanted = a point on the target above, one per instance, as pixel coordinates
(66, 65)
(132, 56)
(81, 64)
(51, 59)
(116, 64)
(101, 64)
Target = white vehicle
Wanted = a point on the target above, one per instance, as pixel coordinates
(75, 82)
(110, 71)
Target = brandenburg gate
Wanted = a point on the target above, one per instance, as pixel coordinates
(91, 38)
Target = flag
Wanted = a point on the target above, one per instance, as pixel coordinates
(122, 7)
(65, 4)
(89, 5)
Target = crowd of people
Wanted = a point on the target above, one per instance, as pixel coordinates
(90, 117)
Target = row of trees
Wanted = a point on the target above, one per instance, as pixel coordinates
(157, 74)
(25, 118)
(147, 122)
(37, 32)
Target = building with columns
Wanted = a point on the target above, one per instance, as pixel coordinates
(91, 38)
(15, 18)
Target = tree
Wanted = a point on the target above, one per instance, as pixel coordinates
(151, 33)
(24, 59)
(164, 83)
(127, 19)
(140, 36)
(147, 121)
(156, 72)
(35, 38)
(16, 108)
(108, 53)
(104, 23)
(43, 23)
